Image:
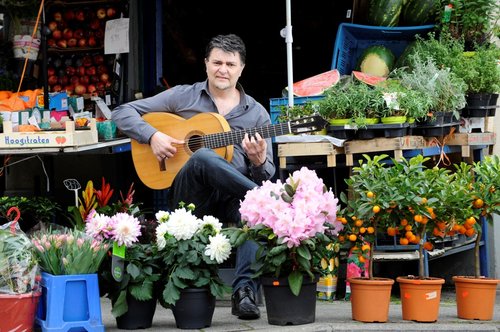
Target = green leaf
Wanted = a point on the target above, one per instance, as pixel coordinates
(304, 252)
(171, 293)
(295, 281)
(133, 270)
(120, 307)
(185, 273)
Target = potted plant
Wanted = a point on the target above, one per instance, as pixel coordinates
(362, 219)
(475, 294)
(34, 211)
(191, 251)
(19, 290)
(69, 260)
(288, 259)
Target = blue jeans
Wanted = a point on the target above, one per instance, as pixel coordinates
(216, 188)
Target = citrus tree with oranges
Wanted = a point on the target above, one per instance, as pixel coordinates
(482, 184)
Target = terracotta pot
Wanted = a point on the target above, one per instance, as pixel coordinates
(475, 297)
(420, 298)
(370, 299)
(18, 311)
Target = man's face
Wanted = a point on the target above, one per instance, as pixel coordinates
(223, 69)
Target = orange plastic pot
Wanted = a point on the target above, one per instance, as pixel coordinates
(475, 297)
(370, 299)
(18, 311)
(420, 298)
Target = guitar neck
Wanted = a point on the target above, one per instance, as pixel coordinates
(218, 140)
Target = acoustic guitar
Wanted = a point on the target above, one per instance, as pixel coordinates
(209, 130)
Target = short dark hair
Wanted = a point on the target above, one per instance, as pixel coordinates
(228, 43)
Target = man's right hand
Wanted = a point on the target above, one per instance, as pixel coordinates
(164, 146)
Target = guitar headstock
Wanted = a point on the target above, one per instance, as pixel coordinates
(307, 124)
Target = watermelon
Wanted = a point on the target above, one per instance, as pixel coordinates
(417, 12)
(384, 12)
(376, 60)
(367, 78)
(316, 85)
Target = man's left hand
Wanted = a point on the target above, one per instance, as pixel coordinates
(255, 148)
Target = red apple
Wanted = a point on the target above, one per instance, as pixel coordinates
(94, 79)
(57, 34)
(101, 13)
(110, 12)
(52, 80)
(67, 33)
(51, 71)
(104, 77)
(82, 42)
(62, 43)
(74, 80)
(52, 25)
(92, 41)
(91, 88)
(100, 85)
(70, 70)
(64, 80)
(57, 16)
(80, 15)
(69, 89)
(87, 61)
(99, 34)
(78, 33)
(108, 84)
(80, 70)
(72, 42)
(98, 59)
(80, 89)
(85, 79)
(56, 88)
(90, 70)
(51, 42)
(95, 24)
(69, 15)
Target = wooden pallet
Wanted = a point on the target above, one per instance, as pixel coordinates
(308, 149)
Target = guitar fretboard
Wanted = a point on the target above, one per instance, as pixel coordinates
(218, 140)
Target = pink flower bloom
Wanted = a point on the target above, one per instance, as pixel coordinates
(126, 229)
(296, 218)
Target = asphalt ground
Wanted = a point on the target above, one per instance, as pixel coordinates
(330, 316)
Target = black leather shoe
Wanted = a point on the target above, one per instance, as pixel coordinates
(243, 304)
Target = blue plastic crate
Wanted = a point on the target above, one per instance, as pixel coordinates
(353, 39)
(276, 103)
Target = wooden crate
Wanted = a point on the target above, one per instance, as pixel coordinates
(466, 140)
(44, 139)
(308, 149)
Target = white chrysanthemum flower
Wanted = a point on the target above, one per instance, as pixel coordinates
(211, 220)
(99, 226)
(161, 230)
(182, 224)
(162, 216)
(219, 248)
(126, 229)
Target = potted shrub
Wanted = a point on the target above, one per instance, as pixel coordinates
(288, 259)
(476, 294)
(191, 251)
(34, 211)
(19, 289)
(362, 218)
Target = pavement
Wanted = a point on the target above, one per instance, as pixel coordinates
(330, 316)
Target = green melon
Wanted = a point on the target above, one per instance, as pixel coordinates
(384, 12)
(376, 60)
(417, 12)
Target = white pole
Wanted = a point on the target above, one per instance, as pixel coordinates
(287, 34)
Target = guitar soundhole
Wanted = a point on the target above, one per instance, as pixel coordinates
(195, 142)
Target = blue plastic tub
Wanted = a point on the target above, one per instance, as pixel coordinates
(276, 104)
(353, 39)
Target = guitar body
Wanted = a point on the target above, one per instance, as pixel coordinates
(160, 175)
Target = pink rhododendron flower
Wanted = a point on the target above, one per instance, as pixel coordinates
(293, 217)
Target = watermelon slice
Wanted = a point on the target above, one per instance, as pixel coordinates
(316, 85)
(367, 78)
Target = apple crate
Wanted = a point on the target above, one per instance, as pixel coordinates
(277, 103)
(70, 136)
(353, 39)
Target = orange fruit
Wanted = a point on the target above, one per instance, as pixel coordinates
(361, 259)
(362, 230)
(403, 241)
(353, 237)
(478, 203)
(370, 230)
(376, 209)
(424, 200)
(370, 194)
(365, 247)
(391, 231)
(418, 218)
(404, 222)
(358, 223)
(470, 232)
(428, 246)
(470, 221)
